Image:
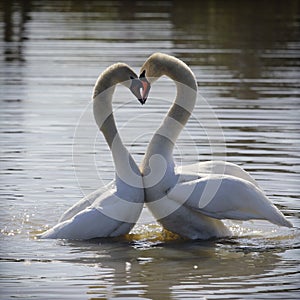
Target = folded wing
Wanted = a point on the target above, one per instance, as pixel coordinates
(227, 197)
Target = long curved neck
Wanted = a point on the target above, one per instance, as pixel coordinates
(166, 135)
(103, 114)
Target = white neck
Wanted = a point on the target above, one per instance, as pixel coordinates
(165, 137)
(126, 168)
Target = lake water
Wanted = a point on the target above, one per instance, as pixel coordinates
(245, 56)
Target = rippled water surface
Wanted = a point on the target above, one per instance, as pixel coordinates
(245, 56)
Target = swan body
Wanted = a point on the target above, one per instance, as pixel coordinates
(113, 209)
(192, 200)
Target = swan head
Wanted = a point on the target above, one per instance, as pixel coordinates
(123, 74)
(153, 68)
(159, 64)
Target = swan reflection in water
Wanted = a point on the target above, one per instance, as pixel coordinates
(152, 268)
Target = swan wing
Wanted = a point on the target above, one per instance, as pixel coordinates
(86, 202)
(108, 216)
(203, 169)
(114, 205)
(227, 197)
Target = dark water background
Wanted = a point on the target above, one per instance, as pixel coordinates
(245, 55)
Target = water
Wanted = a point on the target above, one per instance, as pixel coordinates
(245, 56)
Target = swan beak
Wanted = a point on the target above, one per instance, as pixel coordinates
(146, 87)
(136, 88)
(140, 88)
(145, 90)
(142, 101)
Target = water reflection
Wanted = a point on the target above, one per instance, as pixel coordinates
(150, 272)
(248, 40)
(16, 15)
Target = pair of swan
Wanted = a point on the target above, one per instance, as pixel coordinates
(189, 200)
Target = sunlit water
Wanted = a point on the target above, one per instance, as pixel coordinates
(245, 56)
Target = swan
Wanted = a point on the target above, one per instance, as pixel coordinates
(113, 209)
(192, 200)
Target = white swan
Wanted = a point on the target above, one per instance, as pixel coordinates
(114, 209)
(191, 199)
